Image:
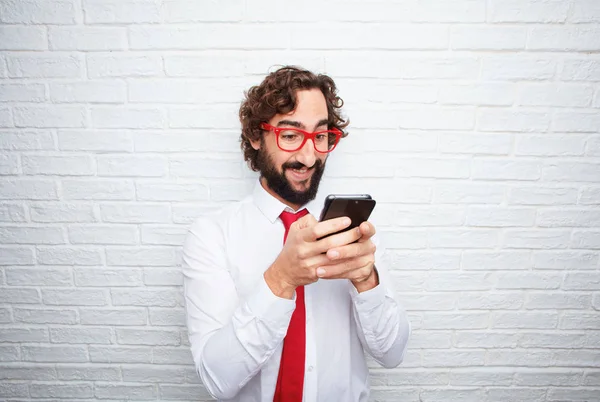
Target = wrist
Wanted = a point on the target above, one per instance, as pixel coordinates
(278, 284)
(369, 283)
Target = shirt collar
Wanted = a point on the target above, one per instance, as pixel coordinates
(271, 207)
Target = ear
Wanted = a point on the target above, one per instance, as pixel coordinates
(255, 144)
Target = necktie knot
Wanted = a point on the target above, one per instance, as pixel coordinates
(289, 217)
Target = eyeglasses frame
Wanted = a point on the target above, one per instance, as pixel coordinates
(307, 136)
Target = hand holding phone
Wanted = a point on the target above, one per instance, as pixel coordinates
(357, 207)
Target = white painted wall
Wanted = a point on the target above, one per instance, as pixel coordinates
(474, 123)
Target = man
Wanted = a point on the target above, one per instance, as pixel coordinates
(270, 321)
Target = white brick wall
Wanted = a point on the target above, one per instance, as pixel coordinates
(474, 123)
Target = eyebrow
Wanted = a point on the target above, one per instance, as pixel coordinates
(297, 124)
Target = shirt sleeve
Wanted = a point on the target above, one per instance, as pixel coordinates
(383, 325)
(231, 339)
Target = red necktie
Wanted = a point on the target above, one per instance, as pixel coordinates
(290, 381)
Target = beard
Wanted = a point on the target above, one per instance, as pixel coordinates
(280, 184)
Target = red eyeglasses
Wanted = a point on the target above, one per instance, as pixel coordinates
(291, 139)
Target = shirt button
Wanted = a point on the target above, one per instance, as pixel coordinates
(310, 368)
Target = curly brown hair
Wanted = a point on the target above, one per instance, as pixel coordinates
(277, 95)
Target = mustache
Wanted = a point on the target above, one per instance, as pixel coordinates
(299, 165)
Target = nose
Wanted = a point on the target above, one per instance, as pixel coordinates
(307, 154)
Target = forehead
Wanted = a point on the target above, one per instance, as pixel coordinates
(311, 108)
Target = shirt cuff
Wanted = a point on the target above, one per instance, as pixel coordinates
(268, 307)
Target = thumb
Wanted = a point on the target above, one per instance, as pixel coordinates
(306, 221)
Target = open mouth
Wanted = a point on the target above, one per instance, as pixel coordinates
(301, 174)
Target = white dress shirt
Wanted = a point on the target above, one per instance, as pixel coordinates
(237, 325)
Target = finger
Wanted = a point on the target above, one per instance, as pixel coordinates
(359, 272)
(324, 228)
(338, 240)
(306, 221)
(367, 231)
(352, 250)
(343, 268)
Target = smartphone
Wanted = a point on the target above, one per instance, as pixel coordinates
(357, 207)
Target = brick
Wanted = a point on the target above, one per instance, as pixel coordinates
(39, 12)
(88, 38)
(565, 260)
(457, 238)
(50, 116)
(386, 65)
(62, 390)
(121, 12)
(186, 214)
(9, 164)
(69, 256)
(189, 11)
(431, 302)
(124, 166)
(22, 93)
(113, 317)
(508, 120)
(517, 68)
(550, 145)
(441, 11)
(103, 234)
(173, 141)
(485, 94)
(419, 217)
(55, 354)
(163, 277)
(145, 297)
(74, 297)
(6, 117)
(535, 239)
(407, 394)
(5, 316)
(528, 280)
(562, 300)
(576, 394)
(488, 38)
(80, 335)
(135, 213)
(550, 94)
(207, 36)
(470, 320)
(100, 189)
(451, 281)
(88, 92)
(203, 66)
(149, 337)
(429, 167)
(19, 296)
(26, 140)
(564, 38)
(155, 373)
(404, 240)
(444, 358)
(581, 70)
(109, 354)
(359, 35)
(524, 320)
(95, 140)
(593, 145)
(46, 276)
(585, 11)
(58, 165)
(491, 260)
(586, 240)
(163, 235)
(16, 256)
(213, 167)
(154, 257)
(183, 392)
(517, 394)
(571, 171)
(538, 195)
(549, 340)
(468, 193)
(121, 117)
(422, 118)
(170, 355)
(45, 65)
(490, 301)
(129, 392)
(592, 378)
(589, 196)
(485, 216)
(30, 189)
(9, 390)
(152, 191)
(9, 353)
(64, 212)
(27, 372)
(84, 373)
(214, 117)
(185, 91)
(424, 260)
(12, 213)
(578, 122)
(170, 317)
(528, 11)
(126, 64)
(481, 377)
(486, 339)
(370, 90)
(18, 335)
(582, 281)
(103, 277)
(567, 217)
(579, 321)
